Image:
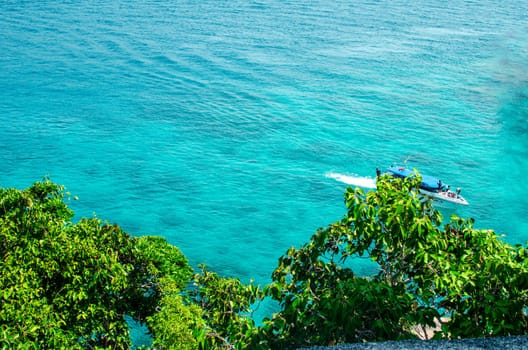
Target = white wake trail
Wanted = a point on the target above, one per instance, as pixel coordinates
(360, 181)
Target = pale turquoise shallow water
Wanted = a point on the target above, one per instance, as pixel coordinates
(213, 123)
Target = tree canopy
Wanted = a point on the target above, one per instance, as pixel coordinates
(67, 285)
(427, 272)
(70, 285)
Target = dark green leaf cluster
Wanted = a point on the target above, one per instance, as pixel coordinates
(67, 285)
(467, 279)
(227, 308)
(70, 285)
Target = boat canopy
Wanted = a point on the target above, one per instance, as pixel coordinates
(429, 183)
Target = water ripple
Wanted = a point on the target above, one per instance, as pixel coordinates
(214, 123)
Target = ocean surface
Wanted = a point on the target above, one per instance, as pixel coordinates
(232, 128)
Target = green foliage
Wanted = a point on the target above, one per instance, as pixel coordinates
(339, 308)
(157, 265)
(484, 283)
(68, 285)
(172, 320)
(226, 305)
(426, 272)
(324, 302)
(177, 325)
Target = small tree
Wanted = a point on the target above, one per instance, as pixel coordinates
(426, 271)
(69, 285)
(227, 309)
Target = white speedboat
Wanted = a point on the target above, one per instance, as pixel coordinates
(430, 186)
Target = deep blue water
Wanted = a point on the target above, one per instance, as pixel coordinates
(214, 123)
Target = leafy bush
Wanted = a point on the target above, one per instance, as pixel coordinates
(427, 272)
(226, 303)
(67, 285)
(70, 285)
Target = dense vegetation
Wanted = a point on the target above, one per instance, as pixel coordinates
(70, 285)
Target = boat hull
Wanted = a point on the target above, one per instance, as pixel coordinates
(449, 196)
(430, 186)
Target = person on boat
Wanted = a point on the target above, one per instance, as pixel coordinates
(450, 193)
(378, 172)
(440, 185)
(446, 190)
(458, 192)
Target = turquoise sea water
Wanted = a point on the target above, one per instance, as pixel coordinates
(215, 123)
